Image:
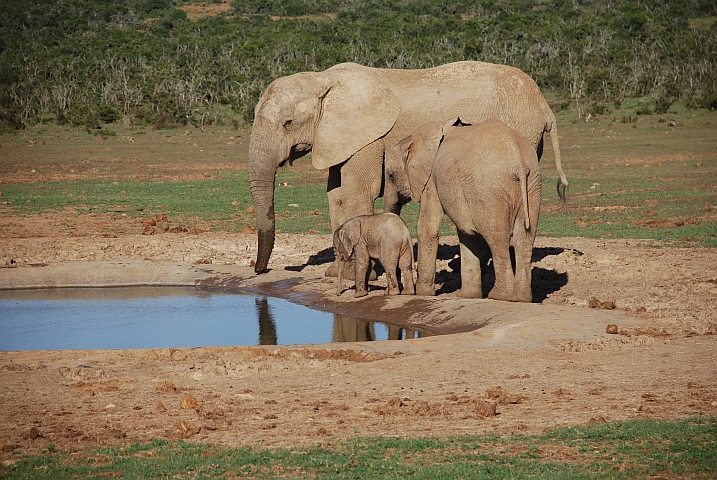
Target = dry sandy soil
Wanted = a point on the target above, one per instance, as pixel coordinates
(509, 368)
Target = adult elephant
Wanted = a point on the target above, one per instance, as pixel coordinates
(349, 115)
(487, 180)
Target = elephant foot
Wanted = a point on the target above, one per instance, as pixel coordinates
(333, 271)
(470, 293)
(500, 295)
(393, 291)
(426, 290)
(526, 297)
(408, 291)
(360, 293)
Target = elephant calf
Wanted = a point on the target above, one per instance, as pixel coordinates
(384, 237)
(486, 178)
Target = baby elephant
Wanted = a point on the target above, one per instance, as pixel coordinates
(383, 237)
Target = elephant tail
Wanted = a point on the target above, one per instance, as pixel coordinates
(551, 126)
(523, 178)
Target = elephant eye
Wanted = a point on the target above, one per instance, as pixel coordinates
(392, 176)
(287, 123)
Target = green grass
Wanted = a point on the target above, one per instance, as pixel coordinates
(630, 449)
(645, 180)
(640, 180)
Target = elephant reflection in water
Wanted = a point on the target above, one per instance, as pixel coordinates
(350, 329)
(346, 329)
(267, 327)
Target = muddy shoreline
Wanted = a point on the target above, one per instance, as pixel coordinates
(553, 360)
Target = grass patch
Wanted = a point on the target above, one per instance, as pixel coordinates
(630, 449)
(653, 179)
(653, 182)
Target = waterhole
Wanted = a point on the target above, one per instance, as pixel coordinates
(164, 317)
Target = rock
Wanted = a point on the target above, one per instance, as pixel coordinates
(33, 434)
(82, 372)
(188, 402)
(161, 408)
(484, 409)
(166, 387)
(611, 329)
(187, 429)
(502, 397)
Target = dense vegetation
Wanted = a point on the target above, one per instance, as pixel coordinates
(91, 62)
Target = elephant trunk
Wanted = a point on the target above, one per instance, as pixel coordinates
(340, 279)
(262, 172)
(391, 200)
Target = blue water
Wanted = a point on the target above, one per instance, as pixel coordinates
(120, 318)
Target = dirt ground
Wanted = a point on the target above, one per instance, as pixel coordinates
(510, 368)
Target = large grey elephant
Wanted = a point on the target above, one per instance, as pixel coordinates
(487, 180)
(349, 115)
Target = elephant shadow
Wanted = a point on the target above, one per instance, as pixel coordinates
(327, 255)
(319, 258)
(543, 282)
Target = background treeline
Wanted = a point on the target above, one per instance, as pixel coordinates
(91, 62)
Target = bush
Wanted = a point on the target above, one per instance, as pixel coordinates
(709, 102)
(108, 114)
(663, 104)
(644, 110)
(10, 121)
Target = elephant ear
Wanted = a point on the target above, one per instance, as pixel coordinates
(421, 153)
(347, 243)
(356, 110)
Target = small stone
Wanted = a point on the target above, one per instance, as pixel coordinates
(188, 402)
(166, 387)
(485, 409)
(161, 408)
(611, 329)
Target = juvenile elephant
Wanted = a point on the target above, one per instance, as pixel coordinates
(384, 237)
(487, 180)
(349, 116)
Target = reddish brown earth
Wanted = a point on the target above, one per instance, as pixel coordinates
(551, 363)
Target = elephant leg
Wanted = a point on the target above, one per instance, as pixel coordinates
(352, 189)
(390, 266)
(429, 228)
(523, 244)
(405, 263)
(471, 279)
(361, 265)
(500, 248)
(394, 333)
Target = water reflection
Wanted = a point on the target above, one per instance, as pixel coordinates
(267, 326)
(349, 329)
(158, 317)
(345, 328)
